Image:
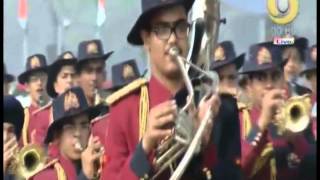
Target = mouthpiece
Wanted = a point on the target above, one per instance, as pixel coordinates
(78, 146)
(174, 51)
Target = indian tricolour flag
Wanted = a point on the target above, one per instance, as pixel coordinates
(23, 13)
(101, 15)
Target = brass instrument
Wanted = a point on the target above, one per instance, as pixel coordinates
(186, 139)
(98, 164)
(100, 96)
(295, 114)
(28, 161)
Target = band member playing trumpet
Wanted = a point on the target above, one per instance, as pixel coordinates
(142, 113)
(265, 153)
(90, 68)
(78, 154)
(90, 71)
(61, 76)
(12, 125)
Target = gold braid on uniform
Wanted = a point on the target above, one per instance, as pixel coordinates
(25, 127)
(265, 156)
(143, 102)
(246, 119)
(143, 110)
(61, 175)
(125, 90)
(267, 152)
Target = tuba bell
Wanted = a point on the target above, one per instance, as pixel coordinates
(28, 161)
(295, 114)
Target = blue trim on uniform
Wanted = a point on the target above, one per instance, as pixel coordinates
(253, 133)
(81, 176)
(9, 177)
(139, 162)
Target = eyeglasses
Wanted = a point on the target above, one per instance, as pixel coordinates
(230, 77)
(163, 30)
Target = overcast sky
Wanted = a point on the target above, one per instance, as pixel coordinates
(246, 24)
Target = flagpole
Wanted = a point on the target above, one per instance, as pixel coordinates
(101, 17)
(62, 26)
(59, 37)
(25, 45)
(23, 22)
(97, 35)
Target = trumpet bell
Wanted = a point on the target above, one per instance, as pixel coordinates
(31, 159)
(296, 113)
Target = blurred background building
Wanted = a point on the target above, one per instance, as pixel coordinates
(53, 26)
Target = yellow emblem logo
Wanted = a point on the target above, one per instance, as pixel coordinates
(34, 62)
(282, 11)
(92, 48)
(264, 56)
(70, 101)
(219, 54)
(128, 72)
(68, 56)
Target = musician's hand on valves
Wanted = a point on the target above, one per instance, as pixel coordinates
(90, 156)
(271, 104)
(10, 147)
(160, 124)
(214, 103)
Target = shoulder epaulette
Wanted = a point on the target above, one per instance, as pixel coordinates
(99, 118)
(42, 108)
(241, 105)
(50, 163)
(125, 90)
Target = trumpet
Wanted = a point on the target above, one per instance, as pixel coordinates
(295, 114)
(28, 161)
(98, 164)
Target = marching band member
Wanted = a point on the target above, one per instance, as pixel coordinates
(265, 153)
(310, 72)
(294, 55)
(61, 76)
(141, 113)
(35, 79)
(226, 64)
(12, 125)
(78, 153)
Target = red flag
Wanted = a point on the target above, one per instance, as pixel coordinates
(23, 13)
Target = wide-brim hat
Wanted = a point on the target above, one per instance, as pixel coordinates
(69, 104)
(301, 43)
(91, 50)
(263, 56)
(148, 8)
(65, 59)
(310, 65)
(35, 63)
(225, 54)
(13, 113)
(124, 73)
(7, 77)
